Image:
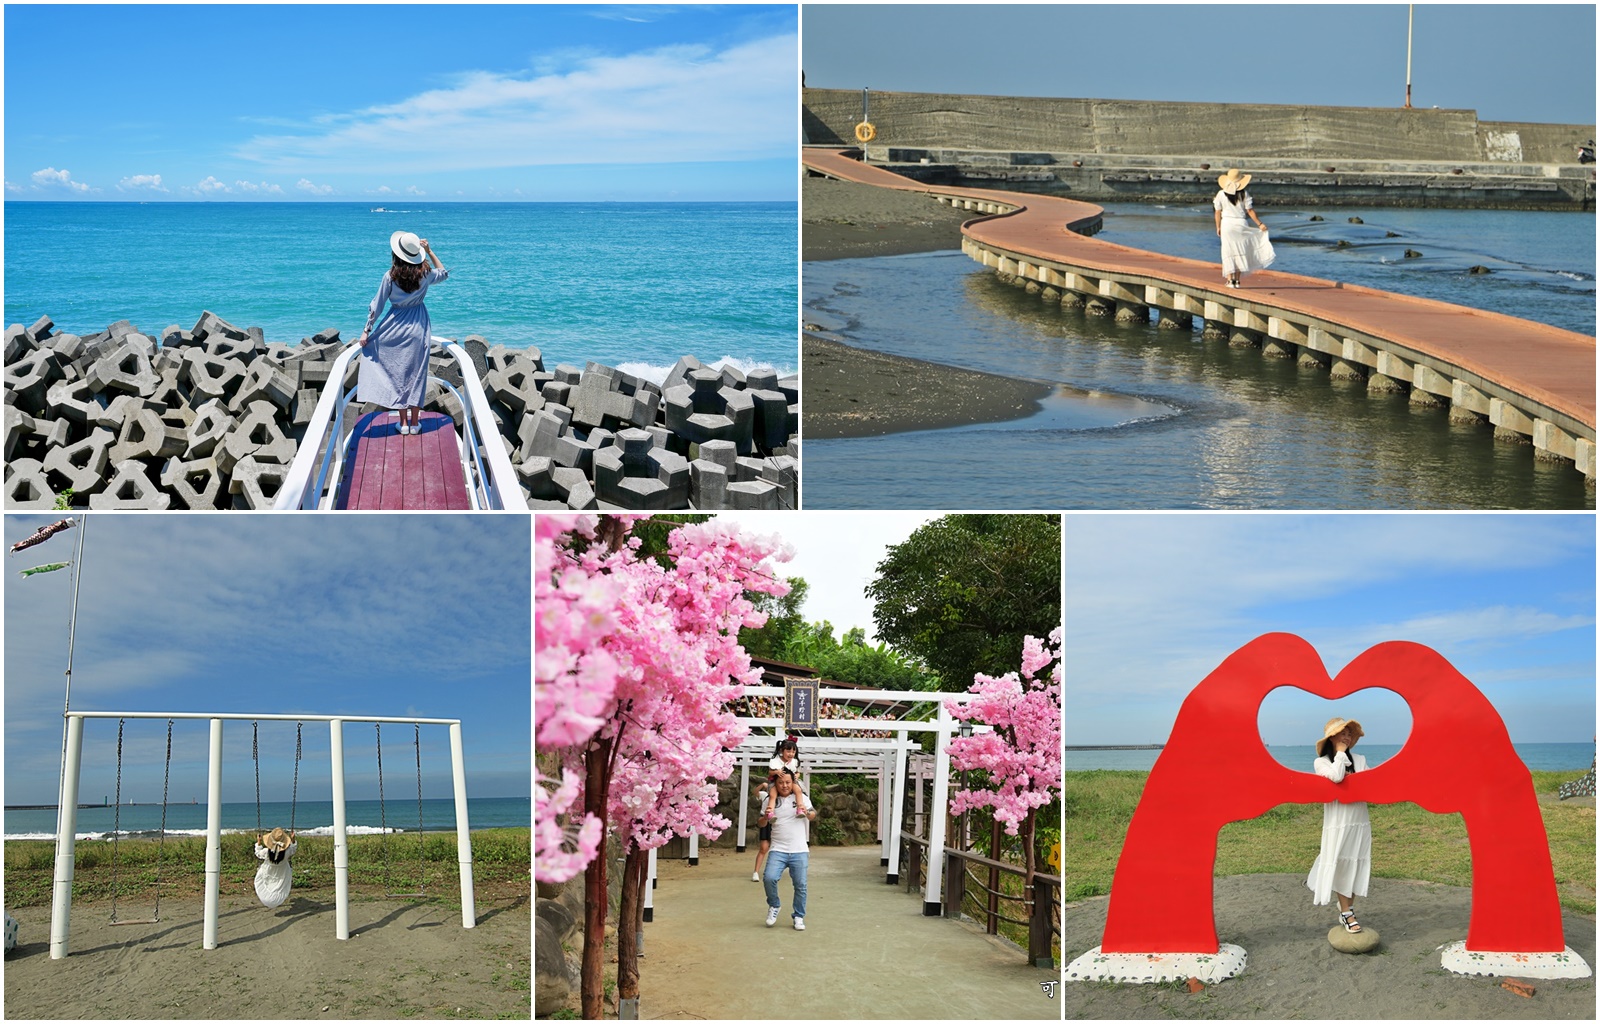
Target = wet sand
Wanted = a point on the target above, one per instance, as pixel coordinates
(1294, 974)
(402, 960)
(852, 392)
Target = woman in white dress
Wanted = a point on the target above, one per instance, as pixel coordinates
(274, 878)
(1243, 250)
(1344, 864)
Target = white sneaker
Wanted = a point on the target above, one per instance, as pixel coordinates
(799, 924)
(772, 916)
(755, 876)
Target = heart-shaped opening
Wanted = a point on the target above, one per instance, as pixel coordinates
(1291, 721)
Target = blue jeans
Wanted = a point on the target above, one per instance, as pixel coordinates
(796, 863)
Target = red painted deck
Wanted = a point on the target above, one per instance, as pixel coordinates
(385, 470)
(1547, 364)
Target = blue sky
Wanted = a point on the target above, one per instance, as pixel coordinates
(405, 615)
(1155, 602)
(1510, 63)
(363, 103)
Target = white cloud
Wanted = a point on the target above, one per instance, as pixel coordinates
(307, 186)
(413, 190)
(678, 103)
(12, 186)
(52, 178)
(262, 189)
(211, 186)
(142, 182)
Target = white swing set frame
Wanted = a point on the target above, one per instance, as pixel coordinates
(67, 821)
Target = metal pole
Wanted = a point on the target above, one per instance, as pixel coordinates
(341, 840)
(66, 701)
(213, 836)
(744, 808)
(937, 816)
(1410, 11)
(66, 838)
(458, 775)
(649, 889)
(897, 809)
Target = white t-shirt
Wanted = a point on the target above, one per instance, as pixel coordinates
(789, 827)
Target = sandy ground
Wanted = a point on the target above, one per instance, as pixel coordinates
(1294, 974)
(842, 219)
(402, 960)
(851, 392)
(867, 952)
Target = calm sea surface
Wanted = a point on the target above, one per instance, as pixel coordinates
(1542, 757)
(633, 285)
(1213, 426)
(313, 817)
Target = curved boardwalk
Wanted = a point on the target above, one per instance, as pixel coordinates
(867, 952)
(1534, 382)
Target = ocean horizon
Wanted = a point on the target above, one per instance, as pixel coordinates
(634, 285)
(310, 817)
(1546, 757)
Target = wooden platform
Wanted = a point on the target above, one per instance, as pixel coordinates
(387, 470)
(1550, 367)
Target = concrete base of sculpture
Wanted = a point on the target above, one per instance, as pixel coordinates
(1141, 968)
(1457, 958)
(1364, 941)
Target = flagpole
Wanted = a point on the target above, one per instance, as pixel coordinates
(66, 703)
(1410, 11)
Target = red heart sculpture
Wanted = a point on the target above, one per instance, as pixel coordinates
(1214, 769)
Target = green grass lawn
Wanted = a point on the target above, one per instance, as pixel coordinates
(1407, 841)
(500, 862)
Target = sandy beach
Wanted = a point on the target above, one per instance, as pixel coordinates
(851, 392)
(1294, 974)
(403, 959)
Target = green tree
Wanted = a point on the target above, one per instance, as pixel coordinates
(961, 592)
(784, 622)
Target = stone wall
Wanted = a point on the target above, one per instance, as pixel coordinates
(1242, 131)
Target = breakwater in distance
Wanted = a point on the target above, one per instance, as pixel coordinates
(1153, 151)
(211, 417)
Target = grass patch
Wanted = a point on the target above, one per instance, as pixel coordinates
(1407, 841)
(500, 866)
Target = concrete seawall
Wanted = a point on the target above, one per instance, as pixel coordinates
(1165, 151)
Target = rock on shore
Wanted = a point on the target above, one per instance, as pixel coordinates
(211, 417)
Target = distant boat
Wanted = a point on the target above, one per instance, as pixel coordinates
(379, 209)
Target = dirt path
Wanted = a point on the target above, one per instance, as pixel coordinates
(867, 951)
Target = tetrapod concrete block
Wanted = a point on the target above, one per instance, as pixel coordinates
(81, 466)
(754, 494)
(257, 483)
(18, 343)
(771, 425)
(210, 324)
(265, 381)
(175, 337)
(704, 410)
(538, 477)
(679, 374)
(194, 483)
(633, 474)
(171, 392)
(29, 379)
(130, 488)
(515, 389)
(19, 426)
(40, 329)
(67, 347)
(784, 472)
(708, 485)
(212, 422)
(146, 436)
(212, 377)
(256, 433)
(126, 369)
(26, 487)
(566, 373)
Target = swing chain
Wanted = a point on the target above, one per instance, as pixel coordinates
(116, 822)
(255, 755)
(294, 794)
(161, 845)
(383, 817)
(422, 850)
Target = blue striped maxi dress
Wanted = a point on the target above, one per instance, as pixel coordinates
(394, 363)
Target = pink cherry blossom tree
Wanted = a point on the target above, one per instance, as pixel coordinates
(644, 657)
(1022, 755)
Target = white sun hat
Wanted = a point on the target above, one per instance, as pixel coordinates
(406, 246)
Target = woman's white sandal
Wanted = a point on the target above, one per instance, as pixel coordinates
(1348, 919)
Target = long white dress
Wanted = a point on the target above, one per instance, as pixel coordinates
(273, 881)
(1344, 864)
(1245, 247)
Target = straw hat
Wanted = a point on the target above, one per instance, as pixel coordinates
(408, 246)
(277, 839)
(1335, 726)
(1233, 181)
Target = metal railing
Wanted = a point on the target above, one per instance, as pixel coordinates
(486, 468)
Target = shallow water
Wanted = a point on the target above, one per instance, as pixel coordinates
(1231, 429)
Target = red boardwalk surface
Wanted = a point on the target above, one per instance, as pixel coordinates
(1549, 365)
(385, 470)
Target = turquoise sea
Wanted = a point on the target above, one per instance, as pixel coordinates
(633, 285)
(312, 817)
(1541, 757)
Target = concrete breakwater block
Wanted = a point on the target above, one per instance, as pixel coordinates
(1364, 941)
(211, 416)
